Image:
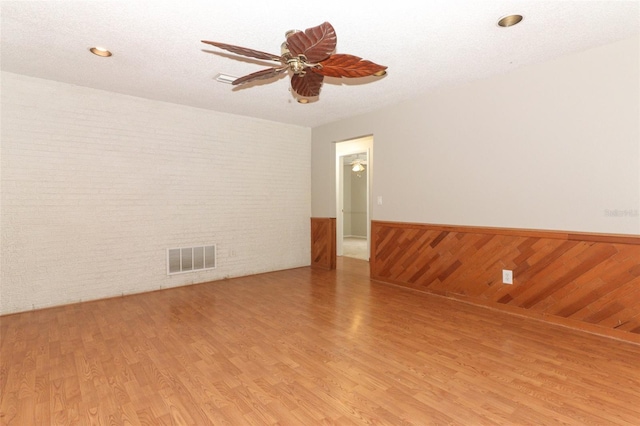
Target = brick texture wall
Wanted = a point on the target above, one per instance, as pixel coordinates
(97, 185)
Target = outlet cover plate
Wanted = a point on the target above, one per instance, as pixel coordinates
(507, 276)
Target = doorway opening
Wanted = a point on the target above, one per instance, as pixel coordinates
(353, 185)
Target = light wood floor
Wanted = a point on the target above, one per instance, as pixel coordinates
(355, 247)
(307, 347)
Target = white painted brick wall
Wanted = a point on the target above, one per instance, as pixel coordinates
(97, 185)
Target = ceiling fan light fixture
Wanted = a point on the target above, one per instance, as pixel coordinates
(224, 78)
(303, 101)
(509, 21)
(100, 51)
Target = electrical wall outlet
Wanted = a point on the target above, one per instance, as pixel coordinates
(507, 276)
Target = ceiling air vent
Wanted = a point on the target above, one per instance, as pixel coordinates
(190, 259)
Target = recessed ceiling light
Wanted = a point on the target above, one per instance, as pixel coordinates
(100, 51)
(224, 78)
(509, 20)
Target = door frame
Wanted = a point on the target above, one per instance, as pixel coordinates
(349, 147)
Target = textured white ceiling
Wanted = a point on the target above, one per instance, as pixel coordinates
(428, 44)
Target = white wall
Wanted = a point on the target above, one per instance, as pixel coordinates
(357, 203)
(96, 186)
(354, 203)
(346, 200)
(550, 146)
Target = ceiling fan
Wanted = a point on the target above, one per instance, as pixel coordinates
(308, 56)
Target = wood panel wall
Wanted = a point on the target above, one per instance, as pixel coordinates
(585, 281)
(323, 242)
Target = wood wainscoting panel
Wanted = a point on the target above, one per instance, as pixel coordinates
(323, 242)
(587, 281)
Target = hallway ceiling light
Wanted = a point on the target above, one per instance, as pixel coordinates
(357, 167)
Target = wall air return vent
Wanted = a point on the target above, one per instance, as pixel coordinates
(190, 259)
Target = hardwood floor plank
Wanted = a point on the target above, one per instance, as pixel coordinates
(309, 346)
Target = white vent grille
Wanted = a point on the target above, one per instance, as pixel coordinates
(190, 259)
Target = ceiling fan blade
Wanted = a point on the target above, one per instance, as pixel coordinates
(244, 51)
(259, 75)
(342, 65)
(315, 43)
(307, 85)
